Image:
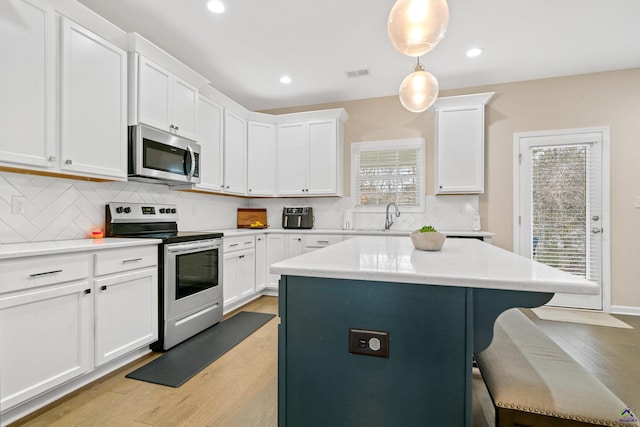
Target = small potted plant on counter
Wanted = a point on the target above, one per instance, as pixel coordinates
(427, 239)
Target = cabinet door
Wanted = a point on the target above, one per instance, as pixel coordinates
(460, 149)
(93, 97)
(45, 337)
(184, 105)
(27, 84)
(261, 262)
(126, 313)
(275, 253)
(291, 160)
(209, 136)
(260, 159)
(295, 245)
(154, 94)
(230, 286)
(247, 273)
(322, 157)
(235, 154)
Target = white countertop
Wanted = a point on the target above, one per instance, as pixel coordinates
(460, 262)
(17, 250)
(231, 232)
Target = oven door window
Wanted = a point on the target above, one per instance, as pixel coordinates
(196, 272)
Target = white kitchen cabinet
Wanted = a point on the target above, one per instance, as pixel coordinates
(309, 158)
(314, 242)
(210, 137)
(261, 262)
(126, 301)
(93, 113)
(235, 153)
(275, 253)
(459, 144)
(294, 245)
(46, 320)
(239, 274)
(27, 85)
(261, 140)
(163, 100)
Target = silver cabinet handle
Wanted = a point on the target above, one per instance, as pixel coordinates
(45, 273)
(125, 261)
(596, 230)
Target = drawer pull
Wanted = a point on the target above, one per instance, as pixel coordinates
(323, 241)
(248, 243)
(103, 288)
(45, 273)
(125, 261)
(234, 244)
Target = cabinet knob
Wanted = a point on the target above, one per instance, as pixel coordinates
(176, 128)
(171, 127)
(87, 291)
(68, 162)
(52, 158)
(249, 190)
(103, 288)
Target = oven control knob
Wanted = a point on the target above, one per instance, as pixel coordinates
(127, 210)
(119, 209)
(161, 210)
(173, 210)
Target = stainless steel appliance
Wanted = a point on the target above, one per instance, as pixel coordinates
(297, 217)
(190, 268)
(156, 156)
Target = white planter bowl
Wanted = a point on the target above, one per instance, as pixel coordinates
(429, 241)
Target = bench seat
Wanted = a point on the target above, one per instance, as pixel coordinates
(533, 382)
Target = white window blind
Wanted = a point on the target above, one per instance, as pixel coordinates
(562, 208)
(388, 171)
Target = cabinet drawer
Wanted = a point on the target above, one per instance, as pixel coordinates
(321, 240)
(118, 260)
(238, 243)
(33, 272)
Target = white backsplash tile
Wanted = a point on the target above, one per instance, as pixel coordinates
(61, 209)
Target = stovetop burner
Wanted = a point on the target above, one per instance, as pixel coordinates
(149, 221)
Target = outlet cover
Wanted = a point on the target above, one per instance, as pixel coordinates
(369, 343)
(18, 205)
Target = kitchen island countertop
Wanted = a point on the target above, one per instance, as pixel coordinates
(460, 262)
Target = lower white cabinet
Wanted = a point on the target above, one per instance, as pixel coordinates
(62, 316)
(239, 270)
(126, 313)
(261, 262)
(294, 245)
(45, 338)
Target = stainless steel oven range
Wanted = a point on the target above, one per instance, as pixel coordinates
(190, 268)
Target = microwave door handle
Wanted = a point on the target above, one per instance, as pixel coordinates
(193, 163)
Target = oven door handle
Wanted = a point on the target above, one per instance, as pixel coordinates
(193, 163)
(192, 246)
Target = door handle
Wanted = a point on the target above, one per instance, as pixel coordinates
(193, 162)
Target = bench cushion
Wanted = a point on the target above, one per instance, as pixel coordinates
(525, 370)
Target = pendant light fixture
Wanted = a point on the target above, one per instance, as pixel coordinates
(417, 26)
(419, 90)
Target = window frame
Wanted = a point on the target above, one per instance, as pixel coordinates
(390, 144)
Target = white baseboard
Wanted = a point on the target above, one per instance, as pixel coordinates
(623, 309)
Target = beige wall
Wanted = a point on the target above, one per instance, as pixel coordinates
(602, 99)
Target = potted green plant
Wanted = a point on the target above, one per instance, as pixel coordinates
(428, 239)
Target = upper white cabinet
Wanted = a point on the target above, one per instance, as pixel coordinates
(93, 95)
(235, 153)
(309, 155)
(210, 137)
(459, 143)
(161, 99)
(27, 84)
(261, 164)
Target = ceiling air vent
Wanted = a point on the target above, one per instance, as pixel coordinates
(357, 73)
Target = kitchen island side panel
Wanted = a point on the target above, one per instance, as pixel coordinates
(422, 382)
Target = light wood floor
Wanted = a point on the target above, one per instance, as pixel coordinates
(240, 388)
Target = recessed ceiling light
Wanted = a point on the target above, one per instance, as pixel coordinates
(285, 80)
(474, 52)
(215, 6)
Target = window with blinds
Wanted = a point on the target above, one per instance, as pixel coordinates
(561, 207)
(388, 171)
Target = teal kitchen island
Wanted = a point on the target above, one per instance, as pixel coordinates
(376, 333)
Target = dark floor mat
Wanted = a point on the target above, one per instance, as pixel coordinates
(188, 358)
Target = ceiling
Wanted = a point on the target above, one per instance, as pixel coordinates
(245, 50)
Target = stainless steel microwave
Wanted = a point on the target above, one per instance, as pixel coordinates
(157, 156)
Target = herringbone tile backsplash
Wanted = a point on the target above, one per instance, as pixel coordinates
(62, 209)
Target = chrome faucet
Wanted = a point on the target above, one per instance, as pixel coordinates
(388, 220)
